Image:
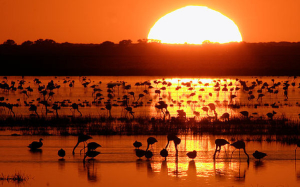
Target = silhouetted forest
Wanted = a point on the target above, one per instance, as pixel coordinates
(46, 57)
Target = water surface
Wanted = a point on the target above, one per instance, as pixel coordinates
(117, 164)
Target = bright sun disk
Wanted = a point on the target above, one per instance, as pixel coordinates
(194, 25)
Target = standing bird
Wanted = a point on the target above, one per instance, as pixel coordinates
(137, 144)
(239, 145)
(92, 146)
(81, 138)
(150, 141)
(35, 145)
(148, 154)
(171, 137)
(91, 154)
(259, 155)
(61, 153)
(192, 154)
(164, 153)
(139, 153)
(219, 143)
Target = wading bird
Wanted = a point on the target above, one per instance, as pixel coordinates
(137, 144)
(61, 153)
(91, 154)
(35, 145)
(239, 145)
(81, 138)
(219, 143)
(259, 155)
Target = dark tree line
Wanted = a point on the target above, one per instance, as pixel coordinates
(47, 57)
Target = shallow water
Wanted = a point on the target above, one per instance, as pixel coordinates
(117, 164)
(191, 99)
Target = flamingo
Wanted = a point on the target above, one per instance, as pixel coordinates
(219, 143)
(81, 138)
(91, 154)
(150, 141)
(239, 145)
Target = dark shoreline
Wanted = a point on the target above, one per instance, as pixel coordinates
(151, 59)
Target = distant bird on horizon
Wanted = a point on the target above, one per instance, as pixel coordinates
(36, 145)
(81, 138)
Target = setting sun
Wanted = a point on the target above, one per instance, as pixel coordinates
(194, 25)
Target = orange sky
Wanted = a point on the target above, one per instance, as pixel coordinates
(95, 21)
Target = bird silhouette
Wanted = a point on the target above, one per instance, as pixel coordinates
(150, 141)
(61, 153)
(259, 155)
(192, 154)
(239, 145)
(140, 153)
(92, 146)
(164, 153)
(81, 138)
(219, 143)
(137, 144)
(36, 145)
(148, 154)
(171, 137)
(91, 154)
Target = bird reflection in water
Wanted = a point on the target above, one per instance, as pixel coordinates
(89, 169)
(192, 171)
(241, 176)
(164, 168)
(61, 163)
(259, 164)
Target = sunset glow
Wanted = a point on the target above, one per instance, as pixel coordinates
(195, 25)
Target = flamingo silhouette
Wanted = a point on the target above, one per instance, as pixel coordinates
(150, 141)
(81, 138)
(219, 143)
(75, 107)
(239, 145)
(91, 154)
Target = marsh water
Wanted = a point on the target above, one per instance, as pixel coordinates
(258, 95)
(117, 165)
